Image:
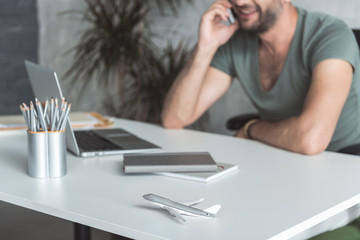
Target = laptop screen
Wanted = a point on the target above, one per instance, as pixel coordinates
(45, 85)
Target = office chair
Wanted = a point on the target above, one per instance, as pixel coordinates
(239, 121)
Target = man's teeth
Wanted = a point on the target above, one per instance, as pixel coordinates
(247, 12)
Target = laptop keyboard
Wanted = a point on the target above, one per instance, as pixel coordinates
(89, 141)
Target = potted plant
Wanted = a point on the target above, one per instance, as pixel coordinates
(118, 49)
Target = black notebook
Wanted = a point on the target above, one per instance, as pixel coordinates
(169, 162)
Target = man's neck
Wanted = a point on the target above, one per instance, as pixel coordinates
(279, 37)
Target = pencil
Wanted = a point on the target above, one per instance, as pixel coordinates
(24, 115)
(41, 115)
(63, 125)
(57, 109)
(46, 117)
(32, 117)
(61, 119)
(53, 120)
(27, 110)
(37, 121)
(56, 112)
(46, 106)
(62, 102)
(51, 110)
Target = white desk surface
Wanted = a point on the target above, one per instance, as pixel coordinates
(275, 194)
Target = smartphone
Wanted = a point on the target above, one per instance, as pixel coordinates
(231, 18)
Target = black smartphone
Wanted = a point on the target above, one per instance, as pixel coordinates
(231, 18)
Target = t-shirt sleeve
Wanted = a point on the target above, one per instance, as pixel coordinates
(222, 60)
(337, 42)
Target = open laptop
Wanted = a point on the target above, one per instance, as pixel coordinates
(84, 143)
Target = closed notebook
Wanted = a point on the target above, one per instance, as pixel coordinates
(169, 162)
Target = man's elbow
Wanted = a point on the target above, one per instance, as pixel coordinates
(311, 150)
(312, 144)
(171, 122)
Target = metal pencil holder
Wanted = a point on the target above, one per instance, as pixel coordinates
(47, 154)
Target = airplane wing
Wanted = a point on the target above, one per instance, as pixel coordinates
(213, 209)
(175, 213)
(192, 202)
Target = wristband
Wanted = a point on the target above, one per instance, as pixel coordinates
(246, 129)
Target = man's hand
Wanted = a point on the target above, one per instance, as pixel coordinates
(213, 32)
(240, 133)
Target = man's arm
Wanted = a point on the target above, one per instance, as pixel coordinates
(198, 86)
(311, 132)
(195, 90)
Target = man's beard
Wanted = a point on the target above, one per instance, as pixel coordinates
(266, 20)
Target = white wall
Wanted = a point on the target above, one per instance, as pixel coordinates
(347, 10)
(60, 33)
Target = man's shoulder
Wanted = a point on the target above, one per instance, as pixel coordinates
(317, 28)
(317, 21)
(322, 36)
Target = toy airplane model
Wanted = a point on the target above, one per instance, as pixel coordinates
(177, 209)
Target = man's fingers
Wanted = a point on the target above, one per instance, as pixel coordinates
(213, 13)
(219, 8)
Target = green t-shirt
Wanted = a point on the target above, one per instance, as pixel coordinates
(317, 37)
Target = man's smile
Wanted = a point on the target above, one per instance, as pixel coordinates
(246, 12)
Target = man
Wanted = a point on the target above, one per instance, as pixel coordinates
(300, 69)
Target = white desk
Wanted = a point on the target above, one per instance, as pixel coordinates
(275, 194)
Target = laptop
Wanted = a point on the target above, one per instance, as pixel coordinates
(85, 143)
